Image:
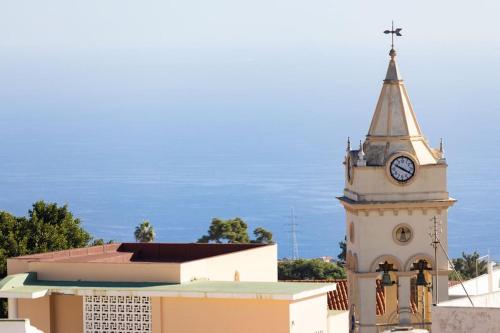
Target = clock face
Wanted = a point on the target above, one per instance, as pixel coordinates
(403, 234)
(402, 169)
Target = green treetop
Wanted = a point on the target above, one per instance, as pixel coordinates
(466, 266)
(234, 231)
(48, 227)
(144, 232)
(309, 269)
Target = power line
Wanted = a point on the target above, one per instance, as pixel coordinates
(436, 230)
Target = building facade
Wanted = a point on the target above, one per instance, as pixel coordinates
(162, 288)
(395, 195)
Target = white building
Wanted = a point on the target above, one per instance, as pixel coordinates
(478, 313)
(17, 326)
(483, 284)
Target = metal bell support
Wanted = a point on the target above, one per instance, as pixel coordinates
(385, 268)
(421, 266)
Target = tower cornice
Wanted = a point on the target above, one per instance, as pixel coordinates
(382, 206)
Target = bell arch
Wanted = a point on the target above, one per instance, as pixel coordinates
(421, 256)
(386, 257)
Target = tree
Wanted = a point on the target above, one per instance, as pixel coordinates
(309, 269)
(466, 266)
(100, 241)
(9, 246)
(234, 231)
(144, 232)
(262, 236)
(48, 227)
(343, 251)
(52, 228)
(226, 231)
(12, 243)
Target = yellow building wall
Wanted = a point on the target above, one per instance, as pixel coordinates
(374, 184)
(37, 311)
(67, 314)
(15, 266)
(115, 272)
(375, 229)
(256, 264)
(156, 311)
(202, 315)
(64, 314)
(54, 314)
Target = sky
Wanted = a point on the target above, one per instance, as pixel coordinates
(244, 67)
(232, 54)
(260, 79)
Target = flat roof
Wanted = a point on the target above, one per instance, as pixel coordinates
(141, 252)
(26, 285)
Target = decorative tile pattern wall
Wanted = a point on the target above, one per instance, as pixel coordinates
(117, 314)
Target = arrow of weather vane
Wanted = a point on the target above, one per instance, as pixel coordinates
(393, 32)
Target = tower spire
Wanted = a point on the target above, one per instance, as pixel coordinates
(393, 74)
(393, 70)
(394, 125)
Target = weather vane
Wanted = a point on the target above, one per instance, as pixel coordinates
(393, 32)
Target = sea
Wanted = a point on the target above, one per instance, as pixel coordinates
(121, 146)
(113, 181)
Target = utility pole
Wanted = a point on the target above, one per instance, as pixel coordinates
(295, 245)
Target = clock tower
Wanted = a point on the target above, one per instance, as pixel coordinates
(395, 195)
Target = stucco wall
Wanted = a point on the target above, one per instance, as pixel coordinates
(64, 313)
(479, 285)
(17, 326)
(202, 315)
(67, 313)
(490, 300)
(156, 314)
(15, 266)
(372, 184)
(257, 264)
(368, 247)
(37, 311)
(309, 315)
(338, 321)
(130, 272)
(54, 314)
(465, 320)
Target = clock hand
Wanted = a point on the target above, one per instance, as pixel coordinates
(397, 166)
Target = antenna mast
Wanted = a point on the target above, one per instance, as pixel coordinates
(436, 230)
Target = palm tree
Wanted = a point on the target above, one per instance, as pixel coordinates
(144, 232)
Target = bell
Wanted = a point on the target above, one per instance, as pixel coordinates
(386, 280)
(421, 279)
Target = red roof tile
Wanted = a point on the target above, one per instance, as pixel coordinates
(339, 299)
(141, 252)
